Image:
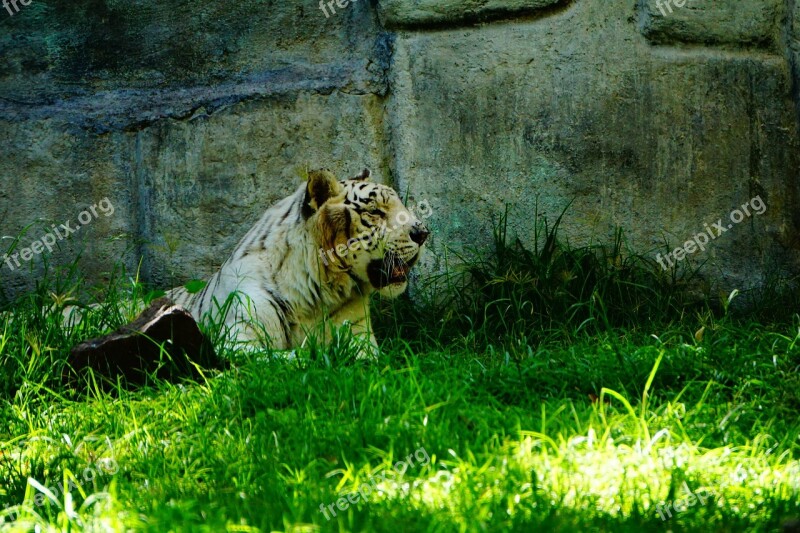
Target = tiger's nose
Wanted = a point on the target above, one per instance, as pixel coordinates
(419, 234)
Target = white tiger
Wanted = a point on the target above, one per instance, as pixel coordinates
(314, 259)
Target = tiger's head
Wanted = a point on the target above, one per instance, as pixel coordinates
(364, 229)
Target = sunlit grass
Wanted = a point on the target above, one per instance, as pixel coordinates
(265, 445)
(606, 463)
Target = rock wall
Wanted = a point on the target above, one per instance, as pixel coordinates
(191, 117)
(657, 116)
(657, 123)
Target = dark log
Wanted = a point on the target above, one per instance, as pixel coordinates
(164, 341)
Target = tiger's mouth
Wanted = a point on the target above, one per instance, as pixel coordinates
(390, 270)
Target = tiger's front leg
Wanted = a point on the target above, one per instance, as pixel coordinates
(356, 315)
(254, 325)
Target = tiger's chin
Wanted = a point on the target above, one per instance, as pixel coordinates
(394, 290)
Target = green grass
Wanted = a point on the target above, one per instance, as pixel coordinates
(541, 389)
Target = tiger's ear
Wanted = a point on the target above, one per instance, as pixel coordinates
(322, 185)
(365, 174)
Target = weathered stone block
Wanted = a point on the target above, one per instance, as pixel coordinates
(49, 176)
(208, 102)
(544, 113)
(711, 21)
(409, 13)
(58, 48)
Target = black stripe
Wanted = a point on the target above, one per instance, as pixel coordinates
(348, 221)
(286, 253)
(280, 301)
(354, 277)
(205, 289)
(282, 320)
(315, 289)
(284, 311)
(307, 210)
(210, 296)
(256, 235)
(216, 284)
(286, 214)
